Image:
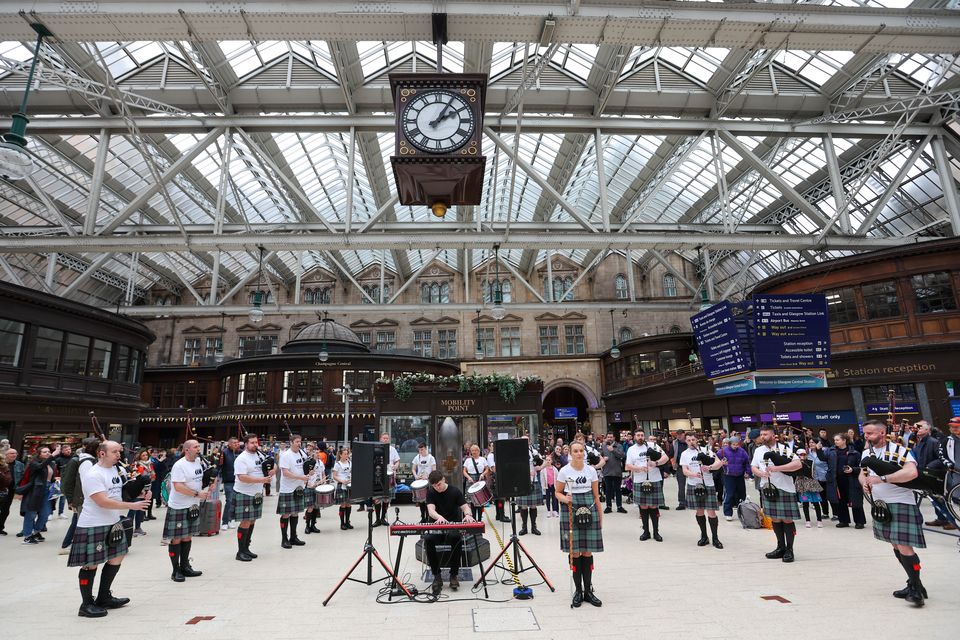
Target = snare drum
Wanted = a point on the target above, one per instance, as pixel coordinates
(324, 495)
(479, 494)
(419, 489)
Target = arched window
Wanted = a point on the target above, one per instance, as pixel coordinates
(507, 290)
(625, 334)
(444, 293)
(557, 288)
(669, 285)
(620, 285)
(425, 293)
(308, 296)
(323, 295)
(568, 286)
(374, 292)
(675, 329)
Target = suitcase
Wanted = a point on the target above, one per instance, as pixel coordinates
(210, 514)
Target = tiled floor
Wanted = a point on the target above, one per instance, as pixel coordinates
(840, 585)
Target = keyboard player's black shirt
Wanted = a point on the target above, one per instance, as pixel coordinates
(447, 503)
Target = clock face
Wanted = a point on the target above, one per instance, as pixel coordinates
(438, 120)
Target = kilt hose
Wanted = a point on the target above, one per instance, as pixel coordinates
(905, 526)
(90, 547)
(177, 524)
(652, 498)
(584, 540)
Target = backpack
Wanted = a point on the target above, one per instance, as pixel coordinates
(749, 514)
(24, 487)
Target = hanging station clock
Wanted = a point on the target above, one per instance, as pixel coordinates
(438, 161)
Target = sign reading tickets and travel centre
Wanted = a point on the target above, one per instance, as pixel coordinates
(786, 346)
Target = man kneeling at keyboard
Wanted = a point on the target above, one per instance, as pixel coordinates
(445, 504)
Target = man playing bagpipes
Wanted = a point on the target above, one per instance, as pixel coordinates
(885, 467)
(190, 485)
(772, 463)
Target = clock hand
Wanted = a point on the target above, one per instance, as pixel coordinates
(442, 115)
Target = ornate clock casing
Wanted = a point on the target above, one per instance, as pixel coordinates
(438, 157)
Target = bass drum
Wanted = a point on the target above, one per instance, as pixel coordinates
(479, 494)
(324, 495)
(419, 489)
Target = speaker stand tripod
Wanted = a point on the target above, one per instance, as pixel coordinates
(519, 552)
(369, 553)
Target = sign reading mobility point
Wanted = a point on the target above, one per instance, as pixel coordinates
(718, 342)
(786, 346)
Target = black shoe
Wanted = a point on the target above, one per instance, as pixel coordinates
(523, 531)
(503, 519)
(718, 544)
(349, 526)
(592, 599)
(657, 537)
(777, 553)
(788, 555)
(621, 510)
(681, 508)
(343, 526)
(437, 584)
(177, 576)
(252, 555)
(608, 510)
(111, 603)
(644, 536)
(243, 556)
(188, 571)
(20, 534)
(842, 525)
(286, 544)
(577, 600)
(914, 595)
(2, 532)
(664, 508)
(702, 542)
(39, 538)
(91, 611)
(362, 508)
(534, 530)
(859, 526)
(902, 593)
(297, 542)
(454, 581)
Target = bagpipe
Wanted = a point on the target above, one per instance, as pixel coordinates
(892, 461)
(654, 454)
(267, 461)
(782, 453)
(132, 488)
(210, 470)
(704, 456)
(538, 459)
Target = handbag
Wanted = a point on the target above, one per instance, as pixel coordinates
(583, 517)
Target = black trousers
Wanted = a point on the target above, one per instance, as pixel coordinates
(5, 507)
(843, 514)
(452, 538)
(611, 488)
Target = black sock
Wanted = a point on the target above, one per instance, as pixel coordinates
(533, 517)
(789, 534)
(911, 564)
(714, 521)
(655, 516)
(174, 551)
(283, 528)
(241, 538)
(778, 531)
(185, 552)
(343, 516)
(523, 517)
(806, 511)
(349, 509)
(645, 516)
(106, 580)
(423, 512)
(294, 523)
(816, 508)
(250, 534)
(586, 562)
(87, 577)
(702, 522)
(578, 573)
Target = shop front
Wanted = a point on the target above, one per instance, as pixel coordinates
(449, 420)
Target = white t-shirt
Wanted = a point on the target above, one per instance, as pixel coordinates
(343, 470)
(577, 481)
(780, 480)
(475, 466)
(248, 464)
(291, 461)
(689, 459)
(637, 457)
(533, 471)
(192, 474)
(886, 491)
(490, 464)
(394, 457)
(423, 465)
(98, 479)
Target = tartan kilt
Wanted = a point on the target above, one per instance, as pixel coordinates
(783, 507)
(534, 499)
(290, 504)
(709, 501)
(309, 497)
(584, 540)
(342, 494)
(90, 547)
(178, 525)
(652, 499)
(905, 526)
(244, 509)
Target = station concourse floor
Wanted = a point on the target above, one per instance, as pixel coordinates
(839, 586)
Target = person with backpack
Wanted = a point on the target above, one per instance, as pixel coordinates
(35, 492)
(72, 489)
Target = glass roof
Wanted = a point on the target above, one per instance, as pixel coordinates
(316, 163)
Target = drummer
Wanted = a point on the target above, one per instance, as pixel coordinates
(423, 463)
(381, 504)
(475, 469)
(317, 475)
(342, 474)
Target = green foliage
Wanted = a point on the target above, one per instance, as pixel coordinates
(507, 386)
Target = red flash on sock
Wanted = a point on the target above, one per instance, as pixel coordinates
(239, 535)
(84, 582)
(916, 567)
(172, 554)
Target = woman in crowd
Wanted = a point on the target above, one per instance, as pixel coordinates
(577, 486)
(142, 465)
(808, 489)
(475, 469)
(36, 504)
(548, 476)
(342, 474)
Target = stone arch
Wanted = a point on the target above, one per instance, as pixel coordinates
(585, 390)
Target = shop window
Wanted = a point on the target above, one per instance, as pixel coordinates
(76, 354)
(573, 339)
(11, 339)
(549, 340)
(934, 292)
(881, 300)
(447, 343)
(842, 305)
(620, 287)
(509, 341)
